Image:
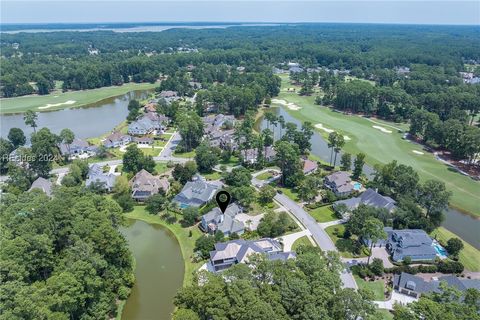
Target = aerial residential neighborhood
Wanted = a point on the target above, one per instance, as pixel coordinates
(319, 160)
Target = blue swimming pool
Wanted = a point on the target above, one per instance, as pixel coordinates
(357, 186)
(440, 250)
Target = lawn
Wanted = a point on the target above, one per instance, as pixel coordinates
(151, 151)
(187, 243)
(386, 315)
(161, 167)
(323, 214)
(377, 287)
(70, 99)
(190, 154)
(303, 241)
(469, 256)
(264, 176)
(289, 193)
(215, 175)
(344, 246)
(232, 162)
(382, 148)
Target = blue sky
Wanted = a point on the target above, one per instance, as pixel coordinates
(379, 11)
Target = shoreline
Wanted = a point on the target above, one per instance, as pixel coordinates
(86, 104)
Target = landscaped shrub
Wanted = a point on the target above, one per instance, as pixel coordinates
(450, 267)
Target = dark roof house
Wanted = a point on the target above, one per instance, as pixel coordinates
(309, 166)
(225, 222)
(227, 254)
(117, 139)
(370, 198)
(415, 286)
(339, 182)
(196, 192)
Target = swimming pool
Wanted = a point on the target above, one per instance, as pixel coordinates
(357, 186)
(441, 252)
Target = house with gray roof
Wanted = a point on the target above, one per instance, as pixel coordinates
(415, 286)
(77, 147)
(196, 193)
(215, 220)
(43, 184)
(117, 139)
(227, 254)
(145, 185)
(413, 243)
(97, 176)
(250, 156)
(339, 183)
(141, 126)
(370, 198)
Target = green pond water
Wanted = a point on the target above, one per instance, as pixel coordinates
(158, 273)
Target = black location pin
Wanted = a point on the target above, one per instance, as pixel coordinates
(223, 200)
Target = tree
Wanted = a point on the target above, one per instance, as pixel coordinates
(206, 157)
(245, 195)
(434, 197)
(204, 245)
(288, 159)
(454, 246)
(358, 165)
(267, 193)
(134, 160)
(273, 225)
(340, 142)
(332, 143)
(16, 137)
(346, 162)
(239, 176)
(6, 148)
(67, 137)
(44, 151)
(373, 231)
(377, 267)
(30, 119)
(156, 203)
(190, 215)
(190, 127)
(308, 188)
(185, 172)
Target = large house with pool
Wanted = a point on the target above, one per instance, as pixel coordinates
(413, 243)
(369, 198)
(197, 192)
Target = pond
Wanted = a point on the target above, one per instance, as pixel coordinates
(86, 122)
(463, 225)
(159, 271)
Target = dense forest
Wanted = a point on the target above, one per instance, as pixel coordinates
(85, 60)
(62, 257)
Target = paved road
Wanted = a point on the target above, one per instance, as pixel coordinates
(318, 234)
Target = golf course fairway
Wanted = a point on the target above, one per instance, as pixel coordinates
(382, 143)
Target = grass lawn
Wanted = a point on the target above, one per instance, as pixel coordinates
(160, 143)
(232, 162)
(377, 287)
(289, 193)
(382, 148)
(70, 99)
(151, 151)
(469, 256)
(161, 167)
(187, 243)
(213, 176)
(303, 241)
(344, 246)
(190, 154)
(323, 214)
(264, 176)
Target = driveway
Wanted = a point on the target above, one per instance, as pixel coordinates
(289, 239)
(396, 297)
(251, 222)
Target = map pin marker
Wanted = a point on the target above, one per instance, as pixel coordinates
(223, 199)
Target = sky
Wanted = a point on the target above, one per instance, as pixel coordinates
(355, 11)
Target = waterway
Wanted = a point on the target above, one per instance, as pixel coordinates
(85, 122)
(463, 225)
(158, 273)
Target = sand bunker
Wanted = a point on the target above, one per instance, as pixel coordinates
(418, 152)
(382, 129)
(321, 127)
(49, 105)
(289, 105)
(346, 138)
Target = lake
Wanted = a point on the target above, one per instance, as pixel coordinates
(159, 271)
(86, 122)
(463, 225)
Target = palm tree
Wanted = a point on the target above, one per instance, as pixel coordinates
(338, 146)
(332, 142)
(30, 119)
(281, 121)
